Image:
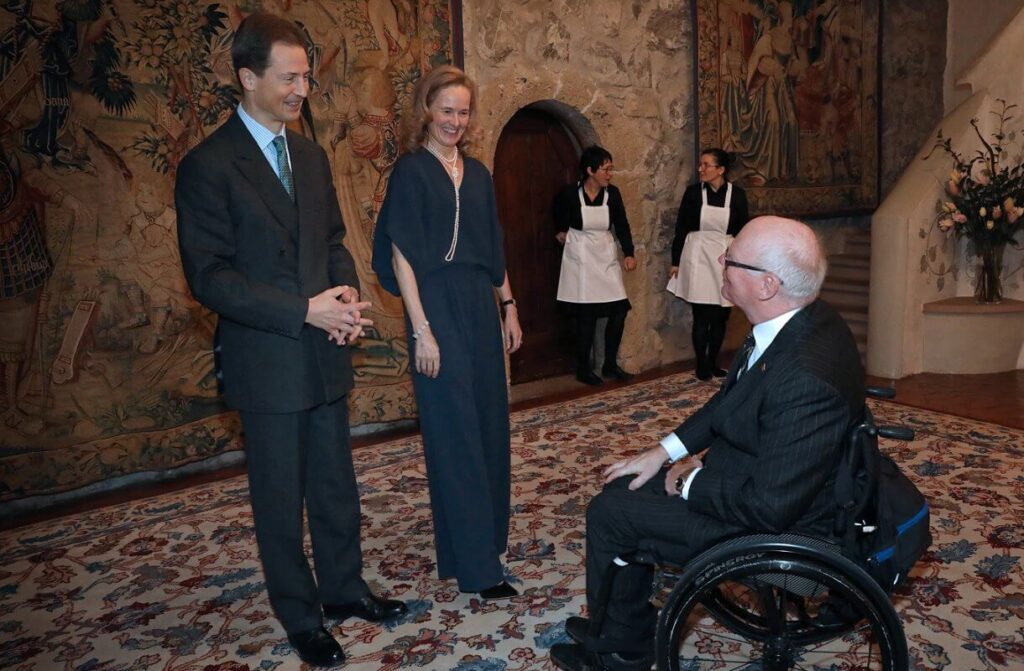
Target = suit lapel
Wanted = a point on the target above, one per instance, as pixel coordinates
(783, 342)
(306, 179)
(251, 162)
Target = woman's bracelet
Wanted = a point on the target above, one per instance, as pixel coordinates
(418, 332)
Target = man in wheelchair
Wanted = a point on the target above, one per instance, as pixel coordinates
(769, 440)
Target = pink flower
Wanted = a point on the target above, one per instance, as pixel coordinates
(945, 224)
(997, 212)
(982, 178)
(959, 218)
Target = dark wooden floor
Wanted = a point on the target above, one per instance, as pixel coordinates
(996, 398)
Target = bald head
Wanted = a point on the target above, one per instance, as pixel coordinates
(792, 260)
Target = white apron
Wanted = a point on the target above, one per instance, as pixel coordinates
(590, 261)
(699, 279)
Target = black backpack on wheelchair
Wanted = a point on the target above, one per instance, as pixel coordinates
(882, 519)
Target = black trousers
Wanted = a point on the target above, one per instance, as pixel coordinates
(585, 325)
(621, 521)
(465, 424)
(709, 322)
(303, 460)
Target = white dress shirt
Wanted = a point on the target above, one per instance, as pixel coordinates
(764, 334)
(265, 140)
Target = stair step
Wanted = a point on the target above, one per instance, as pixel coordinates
(859, 330)
(850, 285)
(849, 261)
(858, 246)
(842, 300)
(854, 316)
(854, 274)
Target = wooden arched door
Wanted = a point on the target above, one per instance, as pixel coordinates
(534, 160)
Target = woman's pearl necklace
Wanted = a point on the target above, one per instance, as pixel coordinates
(451, 165)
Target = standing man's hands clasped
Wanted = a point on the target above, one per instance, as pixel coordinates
(338, 311)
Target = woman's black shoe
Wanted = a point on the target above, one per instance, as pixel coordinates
(719, 372)
(615, 372)
(588, 377)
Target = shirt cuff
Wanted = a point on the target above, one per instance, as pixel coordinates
(685, 494)
(675, 448)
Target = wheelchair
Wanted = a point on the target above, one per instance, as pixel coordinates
(774, 602)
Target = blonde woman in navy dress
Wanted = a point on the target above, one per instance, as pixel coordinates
(439, 245)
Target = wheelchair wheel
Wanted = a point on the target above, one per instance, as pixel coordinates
(772, 604)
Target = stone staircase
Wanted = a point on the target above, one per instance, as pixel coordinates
(846, 285)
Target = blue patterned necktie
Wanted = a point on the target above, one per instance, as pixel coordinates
(284, 168)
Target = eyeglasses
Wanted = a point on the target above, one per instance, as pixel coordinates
(746, 266)
(605, 168)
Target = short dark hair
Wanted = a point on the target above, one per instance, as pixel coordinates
(593, 157)
(722, 157)
(255, 37)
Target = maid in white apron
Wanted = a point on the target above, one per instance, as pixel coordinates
(712, 212)
(590, 284)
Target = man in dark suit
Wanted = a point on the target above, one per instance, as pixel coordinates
(770, 439)
(260, 232)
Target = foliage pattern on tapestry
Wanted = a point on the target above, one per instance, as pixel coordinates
(791, 89)
(105, 357)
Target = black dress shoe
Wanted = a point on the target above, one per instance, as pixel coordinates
(571, 657)
(588, 377)
(575, 657)
(371, 608)
(615, 372)
(577, 627)
(317, 648)
(719, 372)
(702, 374)
(502, 590)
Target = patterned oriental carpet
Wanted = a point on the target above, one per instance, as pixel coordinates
(173, 582)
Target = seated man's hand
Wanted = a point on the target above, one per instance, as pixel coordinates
(643, 466)
(678, 473)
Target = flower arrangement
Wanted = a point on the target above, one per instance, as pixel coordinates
(985, 200)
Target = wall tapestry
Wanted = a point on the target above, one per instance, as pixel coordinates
(105, 358)
(791, 89)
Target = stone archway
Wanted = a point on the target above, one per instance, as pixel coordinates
(536, 157)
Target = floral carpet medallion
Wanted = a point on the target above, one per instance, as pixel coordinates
(174, 582)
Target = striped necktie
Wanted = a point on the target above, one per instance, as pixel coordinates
(284, 168)
(745, 352)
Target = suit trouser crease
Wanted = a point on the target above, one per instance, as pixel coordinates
(621, 521)
(295, 461)
(465, 426)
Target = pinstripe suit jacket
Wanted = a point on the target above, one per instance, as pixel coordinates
(771, 440)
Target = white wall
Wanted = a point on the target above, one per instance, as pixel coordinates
(971, 26)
